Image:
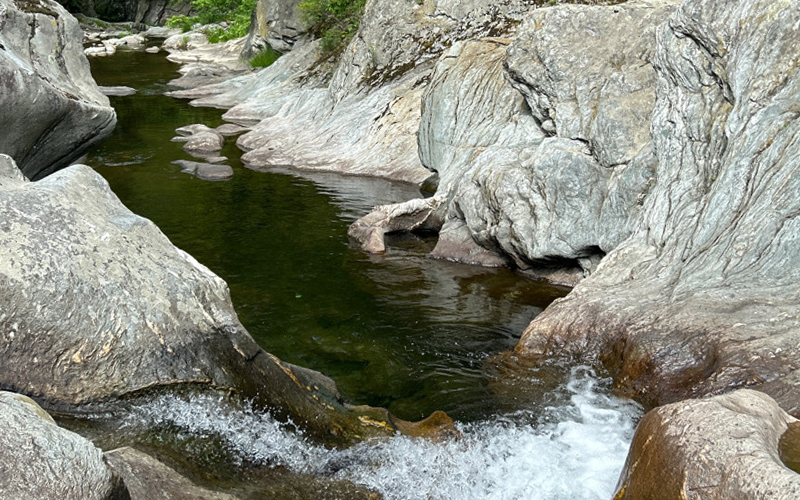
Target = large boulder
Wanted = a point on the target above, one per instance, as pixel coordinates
(703, 296)
(525, 136)
(274, 23)
(39, 459)
(52, 110)
(722, 448)
(96, 304)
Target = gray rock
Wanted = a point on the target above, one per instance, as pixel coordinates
(721, 448)
(97, 304)
(231, 129)
(414, 215)
(702, 296)
(119, 91)
(39, 459)
(359, 115)
(206, 171)
(51, 110)
(200, 139)
(275, 23)
(146, 478)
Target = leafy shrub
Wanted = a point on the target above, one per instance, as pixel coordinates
(182, 22)
(235, 12)
(333, 21)
(264, 58)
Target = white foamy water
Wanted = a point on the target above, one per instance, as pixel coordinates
(575, 451)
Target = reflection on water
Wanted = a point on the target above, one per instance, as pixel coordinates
(395, 330)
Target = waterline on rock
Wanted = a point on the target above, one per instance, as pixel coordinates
(571, 451)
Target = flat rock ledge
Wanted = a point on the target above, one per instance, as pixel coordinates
(721, 448)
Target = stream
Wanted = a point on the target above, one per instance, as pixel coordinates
(398, 330)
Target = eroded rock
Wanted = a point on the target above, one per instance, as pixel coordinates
(52, 110)
(719, 448)
(206, 171)
(39, 459)
(702, 296)
(200, 139)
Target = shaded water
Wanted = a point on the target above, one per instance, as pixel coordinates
(397, 330)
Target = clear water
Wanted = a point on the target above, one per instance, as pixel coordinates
(396, 330)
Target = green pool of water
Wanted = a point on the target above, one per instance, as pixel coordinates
(397, 330)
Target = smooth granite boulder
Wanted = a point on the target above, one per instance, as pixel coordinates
(722, 448)
(51, 110)
(39, 459)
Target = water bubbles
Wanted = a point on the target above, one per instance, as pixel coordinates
(572, 451)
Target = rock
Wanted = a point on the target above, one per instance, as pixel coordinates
(719, 448)
(96, 304)
(360, 114)
(200, 139)
(413, 215)
(39, 459)
(231, 129)
(101, 50)
(161, 32)
(701, 297)
(206, 171)
(274, 23)
(204, 63)
(147, 478)
(52, 110)
(138, 12)
(185, 41)
(130, 41)
(119, 91)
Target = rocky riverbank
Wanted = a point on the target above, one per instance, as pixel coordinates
(640, 151)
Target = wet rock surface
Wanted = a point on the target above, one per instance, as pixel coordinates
(53, 111)
(701, 297)
(719, 448)
(38, 459)
(146, 478)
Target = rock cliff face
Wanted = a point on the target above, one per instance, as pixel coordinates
(276, 24)
(53, 111)
(138, 11)
(702, 296)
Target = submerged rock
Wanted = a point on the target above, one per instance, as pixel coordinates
(39, 459)
(52, 110)
(96, 304)
(146, 478)
(119, 91)
(702, 297)
(719, 448)
(206, 171)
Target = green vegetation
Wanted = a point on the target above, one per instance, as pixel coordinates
(264, 58)
(333, 21)
(234, 12)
